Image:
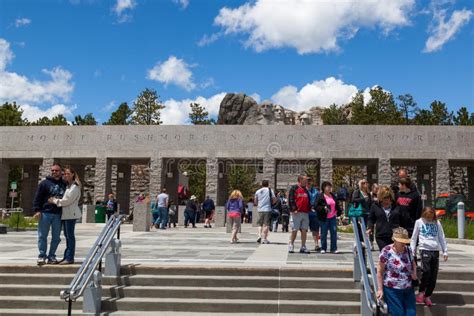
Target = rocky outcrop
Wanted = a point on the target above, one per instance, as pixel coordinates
(240, 109)
(235, 108)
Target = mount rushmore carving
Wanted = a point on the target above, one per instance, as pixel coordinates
(241, 109)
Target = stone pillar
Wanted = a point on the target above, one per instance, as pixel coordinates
(269, 170)
(122, 194)
(4, 185)
(470, 182)
(212, 178)
(142, 217)
(88, 213)
(385, 172)
(45, 168)
(29, 184)
(219, 216)
(442, 176)
(102, 178)
(325, 169)
(156, 174)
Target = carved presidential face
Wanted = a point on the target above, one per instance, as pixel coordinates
(305, 119)
(279, 112)
(266, 109)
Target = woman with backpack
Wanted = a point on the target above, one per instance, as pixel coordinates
(235, 209)
(362, 198)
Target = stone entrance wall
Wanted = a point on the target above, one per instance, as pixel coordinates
(112, 150)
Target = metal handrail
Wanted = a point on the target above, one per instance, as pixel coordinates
(373, 272)
(373, 304)
(94, 258)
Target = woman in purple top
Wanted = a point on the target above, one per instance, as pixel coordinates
(395, 272)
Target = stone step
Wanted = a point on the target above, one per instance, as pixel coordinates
(228, 306)
(186, 270)
(187, 304)
(445, 310)
(249, 293)
(47, 312)
(188, 280)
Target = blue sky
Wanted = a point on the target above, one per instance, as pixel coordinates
(77, 56)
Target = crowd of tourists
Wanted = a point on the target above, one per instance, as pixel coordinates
(394, 217)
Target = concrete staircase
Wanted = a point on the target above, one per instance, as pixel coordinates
(191, 290)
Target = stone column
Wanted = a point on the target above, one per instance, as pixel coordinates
(269, 170)
(4, 185)
(385, 172)
(212, 178)
(470, 182)
(442, 176)
(122, 194)
(325, 169)
(102, 178)
(156, 174)
(29, 184)
(142, 217)
(45, 168)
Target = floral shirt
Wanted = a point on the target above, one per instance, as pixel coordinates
(398, 268)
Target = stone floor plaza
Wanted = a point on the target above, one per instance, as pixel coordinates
(200, 246)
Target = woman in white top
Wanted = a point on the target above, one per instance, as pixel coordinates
(70, 212)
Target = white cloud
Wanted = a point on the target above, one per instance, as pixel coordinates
(123, 8)
(442, 31)
(184, 3)
(311, 26)
(321, 93)
(173, 71)
(177, 111)
(33, 113)
(208, 39)
(30, 92)
(6, 55)
(22, 22)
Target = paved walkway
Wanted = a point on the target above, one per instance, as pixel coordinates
(202, 246)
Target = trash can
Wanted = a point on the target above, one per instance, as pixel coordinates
(100, 214)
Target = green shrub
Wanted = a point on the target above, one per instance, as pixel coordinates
(19, 219)
(450, 227)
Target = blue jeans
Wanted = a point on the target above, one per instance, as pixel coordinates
(329, 224)
(163, 216)
(400, 302)
(47, 221)
(189, 217)
(69, 227)
(156, 217)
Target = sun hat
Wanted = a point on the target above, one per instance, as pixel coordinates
(193, 197)
(400, 234)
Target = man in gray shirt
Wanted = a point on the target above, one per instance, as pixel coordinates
(263, 200)
(163, 203)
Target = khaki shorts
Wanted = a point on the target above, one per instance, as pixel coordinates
(299, 221)
(234, 222)
(264, 219)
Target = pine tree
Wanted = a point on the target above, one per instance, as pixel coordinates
(88, 119)
(463, 118)
(334, 115)
(147, 108)
(407, 106)
(199, 115)
(11, 115)
(54, 121)
(121, 116)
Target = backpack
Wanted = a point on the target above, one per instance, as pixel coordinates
(182, 192)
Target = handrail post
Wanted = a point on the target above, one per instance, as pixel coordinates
(113, 259)
(93, 295)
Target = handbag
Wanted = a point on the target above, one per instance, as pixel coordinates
(419, 270)
(355, 211)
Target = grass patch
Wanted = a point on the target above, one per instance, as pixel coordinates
(450, 227)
